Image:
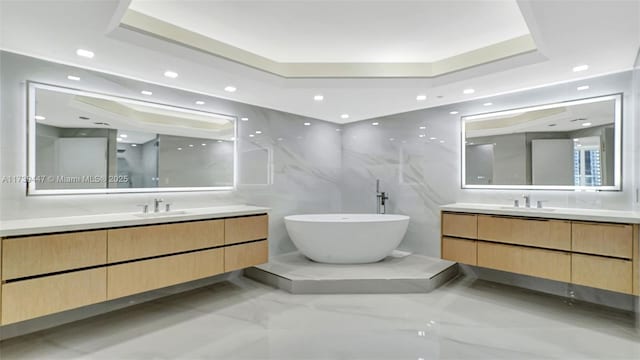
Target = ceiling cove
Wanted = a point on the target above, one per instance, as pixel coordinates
(348, 40)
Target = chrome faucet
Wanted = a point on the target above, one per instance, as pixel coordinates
(381, 198)
(527, 200)
(156, 204)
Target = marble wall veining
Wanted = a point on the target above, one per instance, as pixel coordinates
(305, 160)
(417, 157)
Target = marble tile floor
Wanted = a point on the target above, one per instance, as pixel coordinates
(241, 319)
(398, 273)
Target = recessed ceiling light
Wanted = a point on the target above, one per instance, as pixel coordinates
(258, 132)
(488, 104)
(441, 141)
(375, 123)
(279, 139)
(199, 102)
(251, 135)
(344, 116)
(432, 138)
(171, 74)
(73, 77)
(583, 87)
(233, 138)
(338, 130)
(146, 92)
(219, 141)
(422, 127)
(307, 124)
(119, 140)
(576, 139)
(453, 112)
(203, 144)
(468, 91)
(85, 53)
(244, 119)
(179, 148)
(391, 139)
(580, 68)
(124, 136)
(134, 145)
(318, 98)
(421, 135)
(190, 145)
(421, 97)
(230, 88)
(586, 124)
(40, 117)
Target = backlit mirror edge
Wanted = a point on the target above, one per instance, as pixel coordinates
(617, 186)
(31, 189)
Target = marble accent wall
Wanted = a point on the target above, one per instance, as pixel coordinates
(422, 173)
(305, 161)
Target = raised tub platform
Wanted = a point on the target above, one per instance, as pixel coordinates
(296, 274)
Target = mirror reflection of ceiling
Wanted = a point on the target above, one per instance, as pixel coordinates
(67, 110)
(558, 119)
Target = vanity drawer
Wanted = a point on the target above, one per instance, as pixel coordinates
(247, 228)
(245, 255)
(35, 255)
(147, 241)
(601, 272)
(460, 225)
(548, 264)
(460, 250)
(603, 239)
(544, 233)
(140, 276)
(27, 299)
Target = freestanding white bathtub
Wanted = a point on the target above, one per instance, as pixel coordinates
(346, 238)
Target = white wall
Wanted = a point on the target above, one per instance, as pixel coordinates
(306, 161)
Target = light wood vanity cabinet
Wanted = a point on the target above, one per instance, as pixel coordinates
(147, 241)
(35, 255)
(243, 229)
(27, 299)
(544, 233)
(140, 276)
(596, 254)
(460, 250)
(460, 225)
(45, 274)
(603, 239)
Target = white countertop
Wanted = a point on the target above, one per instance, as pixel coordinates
(101, 221)
(616, 216)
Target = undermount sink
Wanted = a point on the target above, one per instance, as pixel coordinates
(160, 214)
(526, 209)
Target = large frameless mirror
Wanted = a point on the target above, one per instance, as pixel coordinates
(573, 145)
(84, 142)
